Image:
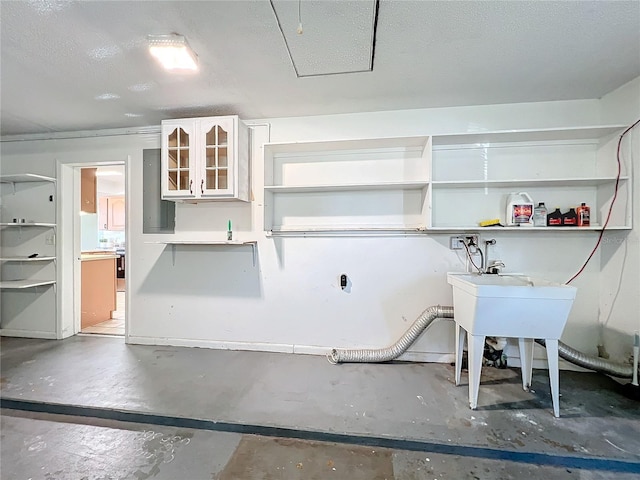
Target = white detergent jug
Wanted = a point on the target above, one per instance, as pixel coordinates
(519, 209)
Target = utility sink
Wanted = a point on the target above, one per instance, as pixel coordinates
(511, 305)
(517, 306)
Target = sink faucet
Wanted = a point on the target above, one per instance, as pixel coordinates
(494, 266)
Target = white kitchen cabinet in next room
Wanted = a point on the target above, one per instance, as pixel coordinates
(205, 159)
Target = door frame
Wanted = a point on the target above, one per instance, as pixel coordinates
(69, 252)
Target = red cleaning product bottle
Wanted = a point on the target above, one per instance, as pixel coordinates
(584, 215)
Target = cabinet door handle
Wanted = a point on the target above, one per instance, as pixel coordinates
(191, 187)
(202, 186)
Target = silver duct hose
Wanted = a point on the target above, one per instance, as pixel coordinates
(601, 365)
(398, 348)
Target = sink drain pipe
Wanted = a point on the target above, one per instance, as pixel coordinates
(371, 355)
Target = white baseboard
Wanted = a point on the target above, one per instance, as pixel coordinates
(213, 344)
(278, 348)
(10, 332)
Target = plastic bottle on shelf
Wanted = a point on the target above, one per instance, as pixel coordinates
(540, 215)
(554, 219)
(570, 219)
(584, 215)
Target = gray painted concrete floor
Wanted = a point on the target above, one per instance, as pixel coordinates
(406, 401)
(55, 447)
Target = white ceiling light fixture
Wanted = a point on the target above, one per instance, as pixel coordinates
(173, 52)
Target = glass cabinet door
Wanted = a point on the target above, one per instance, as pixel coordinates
(216, 175)
(179, 162)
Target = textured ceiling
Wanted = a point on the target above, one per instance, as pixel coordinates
(69, 66)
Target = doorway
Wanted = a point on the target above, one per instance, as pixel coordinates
(102, 249)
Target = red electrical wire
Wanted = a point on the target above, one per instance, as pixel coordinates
(613, 200)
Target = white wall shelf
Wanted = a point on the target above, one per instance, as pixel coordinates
(346, 187)
(354, 186)
(28, 224)
(175, 243)
(535, 182)
(472, 175)
(26, 259)
(25, 177)
(28, 305)
(22, 284)
(531, 135)
(477, 228)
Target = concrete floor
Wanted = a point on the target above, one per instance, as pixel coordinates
(222, 415)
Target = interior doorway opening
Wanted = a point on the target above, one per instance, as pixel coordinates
(102, 249)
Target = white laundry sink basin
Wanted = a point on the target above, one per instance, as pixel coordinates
(510, 305)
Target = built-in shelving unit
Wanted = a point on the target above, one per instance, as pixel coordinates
(443, 183)
(473, 173)
(346, 186)
(28, 226)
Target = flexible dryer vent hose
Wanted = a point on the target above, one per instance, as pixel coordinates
(614, 369)
(398, 348)
(607, 367)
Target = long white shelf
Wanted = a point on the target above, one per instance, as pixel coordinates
(27, 224)
(26, 259)
(204, 242)
(506, 136)
(346, 187)
(548, 182)
(22, 284)
(476, 228)
(25, 177)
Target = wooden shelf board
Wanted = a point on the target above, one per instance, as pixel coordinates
(22, 284)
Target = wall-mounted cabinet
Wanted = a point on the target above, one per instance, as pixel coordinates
(205, 159)
(352, 185)
(28, 266)
(472, 175)
(111, 213)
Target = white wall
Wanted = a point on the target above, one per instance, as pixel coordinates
(619, 313)
(291, 300)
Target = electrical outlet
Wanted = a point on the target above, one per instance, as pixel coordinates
(456, 243)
